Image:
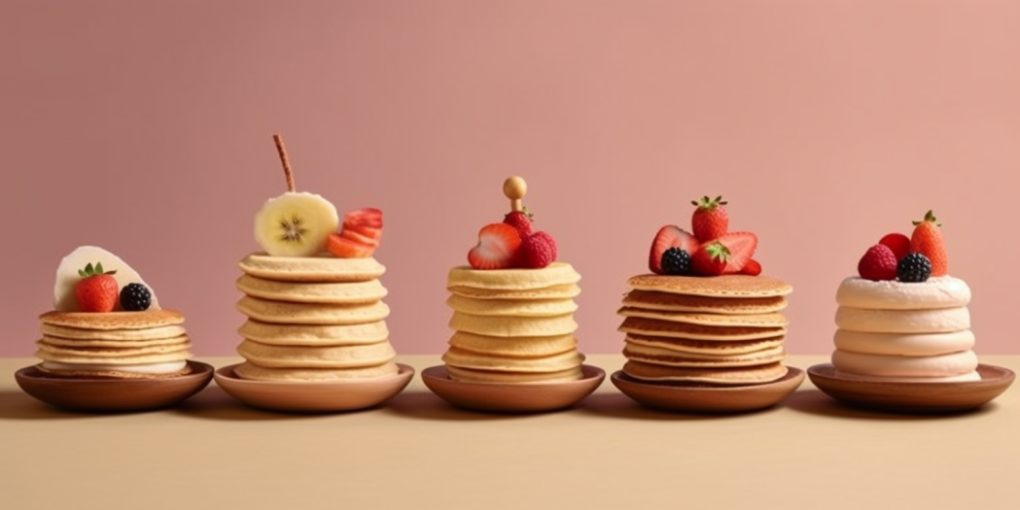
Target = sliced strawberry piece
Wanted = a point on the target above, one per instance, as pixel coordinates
(358, 237)
(367, 216)
(344, 247)
(497, 245)
(741, 246)
(372, 233)
(753, 268)
(670, 236)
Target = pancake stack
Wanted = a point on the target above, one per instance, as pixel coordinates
(723, 330)
(313, 319)
(124, 345)
(513, 325)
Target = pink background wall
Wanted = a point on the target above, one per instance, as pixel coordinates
(144, 127)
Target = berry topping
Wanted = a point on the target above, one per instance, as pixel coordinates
(913, 268)
(536, 251)
(711, 259)
(710, 220)
(752, 268)
(898, 243)
(497, 245)
(676, 262)
(347, 248)
(927, 240)
(359, 236)
(97, 289)
(741, 246)
(135, 297)
(670, 236)
(878, 263)
(521, 220)
(366, 217)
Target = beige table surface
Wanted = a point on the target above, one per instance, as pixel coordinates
(418, 452)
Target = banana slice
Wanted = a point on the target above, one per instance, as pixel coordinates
(295, 224)
(68, 277)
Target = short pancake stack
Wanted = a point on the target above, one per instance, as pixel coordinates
(722, 330)
(126, 345)
(313, 319)
(513, 325)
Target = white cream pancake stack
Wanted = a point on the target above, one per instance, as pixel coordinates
(313, 319)
(904, 331)
(513, 325)
(720, 330)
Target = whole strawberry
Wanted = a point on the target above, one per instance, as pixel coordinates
(536, 251)
(711, 259)
(521, 220)
(927, 240)
(878, 263)
(710, 220)
(97, 291)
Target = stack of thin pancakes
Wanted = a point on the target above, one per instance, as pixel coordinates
(145, 344)
(724, 330)
(313, 319)
(513, 325)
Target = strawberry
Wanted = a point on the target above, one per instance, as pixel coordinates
(368, 217)
(710, 220)
(753, 268)
(711, 259)
(97, 291)
(878, 263)
(521, 220)
(725, 255)
(357, 236)
(898, 243)
(927, 240)
(669, 236)
(496, 248)
(536, 251)
(347, 248)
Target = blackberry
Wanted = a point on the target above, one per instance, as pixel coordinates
(135, 297)
(676, 261)
(914, 267)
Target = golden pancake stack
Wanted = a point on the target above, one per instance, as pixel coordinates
(721, 330)
(313, 319)
(144, 344)
(513, 325)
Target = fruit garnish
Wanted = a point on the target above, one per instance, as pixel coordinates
(741, 247)
(67, 276)
(898, 243)
(710, 220)
(752, 268)
(711, 259)
(536, 251)
(367, 217)
(294, 224)
(676, 262)
(877, 264)
(521, 220)
(359, 236)
(913, 268)
(670, 236)
(927, 240)
(97, 289)
(346, 248)
(496, 248)
(135, 297)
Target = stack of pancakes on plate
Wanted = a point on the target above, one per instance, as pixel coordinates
(145, 344)
(513, 325)
(724, 330)
(313, 319)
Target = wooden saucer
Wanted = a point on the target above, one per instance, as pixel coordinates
(911, 397)
(512, 398)
(313, 396)
(706, 398)
(113, 395)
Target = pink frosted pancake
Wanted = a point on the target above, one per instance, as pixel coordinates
(903, 344)
(941, 320)
(937, 292)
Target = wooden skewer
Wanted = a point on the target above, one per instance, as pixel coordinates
(282, 150)
(515, 188)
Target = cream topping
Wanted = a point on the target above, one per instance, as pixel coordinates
(936, 292)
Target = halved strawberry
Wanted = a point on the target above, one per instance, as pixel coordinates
(752, 268)
(670, 236)
(358, 237)
(725, 255)
(497, 245)
(372, 233)
(344, 247)
(368, 216)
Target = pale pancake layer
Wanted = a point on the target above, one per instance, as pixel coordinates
(109, 371)
(313, 334)
(705, 347)
(521, 308)
(721, 376)
(557, 273)
(901, 344)
(147, 319)
(114, 344)
(489, 376)
(78, 357)
(553, 363)
(708, 319)
(936, 292)
(516, 347)
(93, 352)
(667, 357)
(513, 326)
(652, 300)
(725, 286)
(324, 268)
(112, 335)
(344, 356)
(312, 292)
(254, 372)
(905, 366)
(653, 327)
(566, 291)
(939, 320)
(280, 312)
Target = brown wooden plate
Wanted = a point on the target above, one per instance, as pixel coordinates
(708, 398)
(512, 398)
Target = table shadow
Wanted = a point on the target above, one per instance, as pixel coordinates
(814, 401)
(18, 405)
(618, 405)
(425, 405)
(213, 403)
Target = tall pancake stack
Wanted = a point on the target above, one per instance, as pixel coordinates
(129, 345)
(722, 330)
(513, 325)
(313, 319)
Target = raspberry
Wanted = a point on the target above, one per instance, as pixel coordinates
(519, 220)
(536, 251)
(878, 263)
